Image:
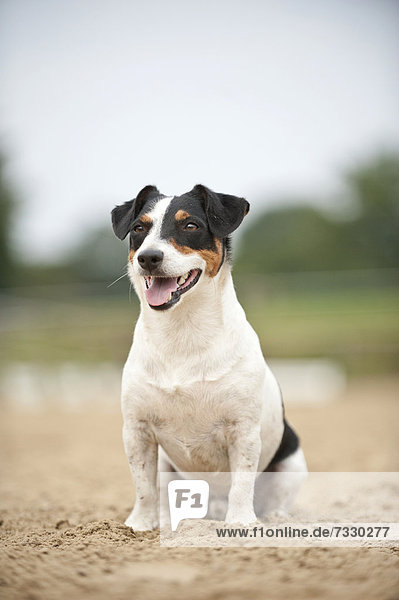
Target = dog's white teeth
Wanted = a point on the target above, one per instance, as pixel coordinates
(170, 296)
(181, 280)
(186, 276)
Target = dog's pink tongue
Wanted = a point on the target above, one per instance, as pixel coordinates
(160, 289)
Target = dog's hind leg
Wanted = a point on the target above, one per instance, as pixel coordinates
(278, 486)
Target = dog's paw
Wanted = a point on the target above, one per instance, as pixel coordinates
(242, 517)
(142, 522)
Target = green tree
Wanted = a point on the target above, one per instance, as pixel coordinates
(7, 205)
(373, 237)
(99, 256)
(295, 238)
(300, 238)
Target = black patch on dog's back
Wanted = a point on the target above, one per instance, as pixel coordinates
(288, 445)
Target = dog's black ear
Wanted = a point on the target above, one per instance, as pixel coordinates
(224, 212)
(124, 215)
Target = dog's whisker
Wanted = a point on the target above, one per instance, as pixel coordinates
(116, 280)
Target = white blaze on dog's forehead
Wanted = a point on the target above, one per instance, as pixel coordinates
(157, 215)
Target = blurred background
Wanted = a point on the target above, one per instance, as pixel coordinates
(293, 106)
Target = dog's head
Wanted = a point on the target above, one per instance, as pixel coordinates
(178, 242)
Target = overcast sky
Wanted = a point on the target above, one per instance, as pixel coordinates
(256, 98)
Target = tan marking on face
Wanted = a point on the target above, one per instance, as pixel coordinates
(146, 219)
(131, 255)
(181, 215)
(213, 258)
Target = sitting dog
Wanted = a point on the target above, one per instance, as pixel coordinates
(197, 395)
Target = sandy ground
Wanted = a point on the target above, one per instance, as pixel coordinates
(66, 490)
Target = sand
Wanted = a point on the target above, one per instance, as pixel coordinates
(66, 490)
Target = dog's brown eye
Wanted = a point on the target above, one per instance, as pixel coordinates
(190, 227)
(138, 228)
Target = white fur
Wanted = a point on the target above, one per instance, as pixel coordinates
(196, 384)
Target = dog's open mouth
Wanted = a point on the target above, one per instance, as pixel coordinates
(163, 292)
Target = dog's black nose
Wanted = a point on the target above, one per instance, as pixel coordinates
(150, 259)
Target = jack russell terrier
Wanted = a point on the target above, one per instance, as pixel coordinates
(197, 395)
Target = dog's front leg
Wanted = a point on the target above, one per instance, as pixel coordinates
(244, 450)
(142, 453)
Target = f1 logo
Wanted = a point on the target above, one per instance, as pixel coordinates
(188, 499)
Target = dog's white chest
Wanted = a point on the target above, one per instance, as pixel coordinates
(191, 423)
(198, 385)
